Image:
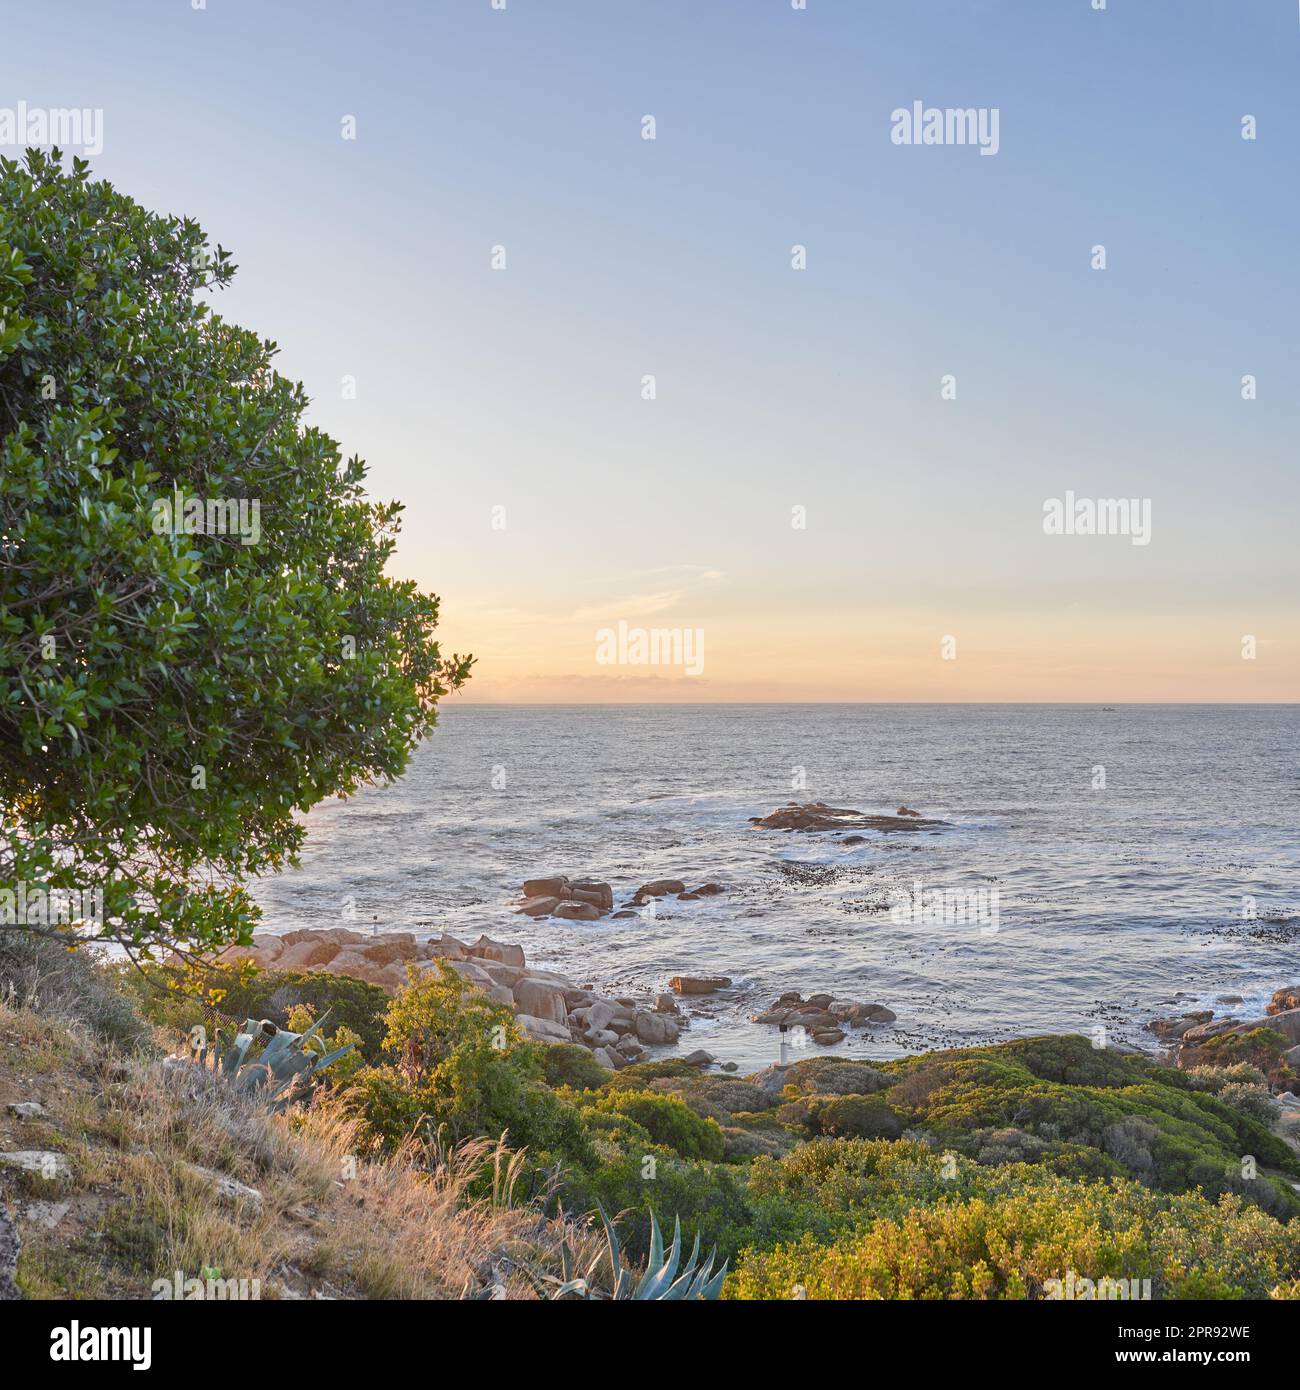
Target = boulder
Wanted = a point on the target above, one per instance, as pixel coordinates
(698, 984)
(699, 1058)
(707, 890)
(1285, 1000)
(446, 947)
(269, 948)
(655, 1028)
(601, 893)
(577, 912)
(542, 1029)
(609, 1059)
(659, 888)
(582, 895)
(595, 1016)
(508, 975)
(828, 1037)
(906, 811)
(384, 950)
(355, 965)
(542, 905)
(666, 1004)
(487, 949)
(26, 1109)
(541, 999)
(605, 1037)
(556, 887)
(471, 971)
(1202, 1031)
(1176, 1027)
(307, 955)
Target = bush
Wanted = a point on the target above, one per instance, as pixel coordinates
(856, 1117)
(44, 975)
(669, 1122)
(567, 1064)
(460, 1065)
(708, 1198)
(165, 995)
(1010, 1247)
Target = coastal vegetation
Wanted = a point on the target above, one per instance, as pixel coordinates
(480, 1161)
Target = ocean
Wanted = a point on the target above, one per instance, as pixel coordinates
(1111, 859)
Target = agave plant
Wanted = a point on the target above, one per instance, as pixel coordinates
(665, 1278)
(282, 1072)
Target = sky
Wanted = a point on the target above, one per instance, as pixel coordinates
(835, 489)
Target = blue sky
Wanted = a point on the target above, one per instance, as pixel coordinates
(775, 388)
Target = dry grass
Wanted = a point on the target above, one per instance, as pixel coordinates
(138, 1130)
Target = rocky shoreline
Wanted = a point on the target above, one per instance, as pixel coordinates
(1197, 1038)
(548, 1007)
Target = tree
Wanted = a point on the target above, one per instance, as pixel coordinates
(197, 635)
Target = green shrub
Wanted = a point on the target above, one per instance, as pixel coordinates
(1013, 1245)
(669, 1121)
(567, 1064)
(460, 1067)
(856, 1117)
(709, 1198)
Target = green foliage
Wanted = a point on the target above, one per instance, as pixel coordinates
(41, 973)
(709, 1198)
(1010, 1246)
(170, 697)
(669, 1122)
(1260, 1048)
(342, 1041)
(856, 1117)
(460, 1065)
(174, 998)
(1152, 1121)
(567, 1064)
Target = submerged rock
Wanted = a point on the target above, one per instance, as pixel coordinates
(698, 984)
(817, 815)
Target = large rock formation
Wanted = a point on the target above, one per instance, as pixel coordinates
(548, 1007)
